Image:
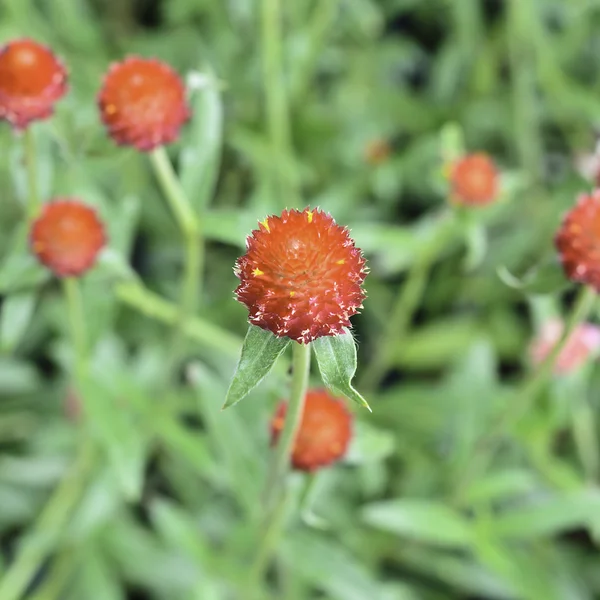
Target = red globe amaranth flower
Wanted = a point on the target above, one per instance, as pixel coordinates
(578, 241)
(32, 79)
(301, 275)
(583, 343)
(324, 433)
(474, 180)
(67, 237)
(142, 103)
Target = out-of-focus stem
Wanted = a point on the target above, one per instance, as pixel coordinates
(33, 196)
(191, 231)
(285, 182)
(524, 398)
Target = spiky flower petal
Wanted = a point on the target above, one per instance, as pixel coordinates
(67, 237)
(578, 241)
(324, 434)
(32, 80)
(301, 276)
(474, 180)
(142, 103)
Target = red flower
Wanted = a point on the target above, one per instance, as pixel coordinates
(142, 103)
(32, 79)
(67, 237)
(324, 433)
(474, 180)
(578, 241)
(301, 276)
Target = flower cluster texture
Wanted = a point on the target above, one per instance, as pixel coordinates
(301, 276)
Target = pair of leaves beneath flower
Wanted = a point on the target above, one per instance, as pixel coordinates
(336, 356)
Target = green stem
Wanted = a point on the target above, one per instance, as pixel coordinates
(76, 315)
(271, 533)
(586, 440)
(403, 310)
(47, 529)
(153, 306)
(524, 72)
(285, 182)
(174, 193)
(522, 402)
(293, 417)
(530, 391)
(33, 199)
(193, 239)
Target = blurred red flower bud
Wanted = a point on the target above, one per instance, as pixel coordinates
(32, 80)
(473, 180)
(67, 237)
(142, 103)
(324, 433)
(578, 241)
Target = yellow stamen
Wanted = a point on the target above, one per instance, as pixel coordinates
(265, 224)
(257, 272)
(292, 294)
(309, 216)
(340, 262)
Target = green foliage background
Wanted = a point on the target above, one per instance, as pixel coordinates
(168, 486)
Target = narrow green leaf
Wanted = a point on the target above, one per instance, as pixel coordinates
(422, 520)
(15, 316)
(260, 351)
(336, 356)
(200, 159)
(116, 427)
(549, 517)
(19, 271)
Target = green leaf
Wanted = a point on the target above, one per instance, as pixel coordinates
(452, 143)
(550, 516)
(260, 351)
(20, 269)
(15, 316)
(336, 356)
(117, 429)
(369, 444)
(200, 159)
(422, 520)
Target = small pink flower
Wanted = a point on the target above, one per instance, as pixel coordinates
(584, 342)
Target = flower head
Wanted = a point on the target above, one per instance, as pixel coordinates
(67, 237)
(474, 180)
(301, 275)
(32, 79)
(142, 103)
(584, 341)
(578, 241)
(324, 433)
